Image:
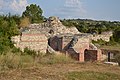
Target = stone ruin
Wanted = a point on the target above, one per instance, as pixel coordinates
(52, 37)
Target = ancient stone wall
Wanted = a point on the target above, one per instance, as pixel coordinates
(32, 40)
(53, 23)
(104, 36)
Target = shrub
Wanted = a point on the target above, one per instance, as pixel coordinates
(14, 61)
(16, 50)
(30, 52)
(116, 35)
(117, 58)
(100, 42)
(9, 60)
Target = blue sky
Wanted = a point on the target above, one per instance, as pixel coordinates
(87, 9)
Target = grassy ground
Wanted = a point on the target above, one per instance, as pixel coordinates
(66, 71)
(117, 47)
(111, 47)
(53, 67)
(91, 75)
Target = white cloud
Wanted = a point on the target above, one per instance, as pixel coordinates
(71, 9)
(72, 3)
(13, 6)
(19, 5)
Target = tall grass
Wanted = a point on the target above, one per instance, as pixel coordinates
(54, 59)
(14, 61)
(90, 75)
(19, 60)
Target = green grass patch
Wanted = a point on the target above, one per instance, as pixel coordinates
(90, 75)
(114, 47)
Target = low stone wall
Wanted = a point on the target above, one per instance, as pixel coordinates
(34, 41)
(104, 36)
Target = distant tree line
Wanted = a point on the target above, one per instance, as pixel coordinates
(91, 26)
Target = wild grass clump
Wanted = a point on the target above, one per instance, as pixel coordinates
(27, 51)
(15, 61)
(30, 58)
(90, 75)
(117, 58)
(55, 58)
(9, 60)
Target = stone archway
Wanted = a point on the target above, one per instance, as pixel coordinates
(90, 55)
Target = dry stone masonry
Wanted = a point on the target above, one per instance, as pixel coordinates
(33, 40)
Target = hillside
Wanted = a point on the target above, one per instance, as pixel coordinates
(91, 26)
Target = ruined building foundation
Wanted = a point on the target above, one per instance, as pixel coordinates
(53, 36)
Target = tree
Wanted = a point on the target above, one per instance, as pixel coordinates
(24, 22)
(8, 28)
(116, 35)
(34, 13)
(117, 58)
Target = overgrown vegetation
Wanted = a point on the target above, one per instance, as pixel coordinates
(55, 59)
(90, 75)
(8, 28)
(10, 25)
(117, 58)
(30, 59)
(116, 35)
(91, 26)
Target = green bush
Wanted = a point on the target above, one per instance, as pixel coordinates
(16, 50)
(9, 61)
(117, 58)
(116, 35)
(100, 42)
(30, 52)
(15, 61)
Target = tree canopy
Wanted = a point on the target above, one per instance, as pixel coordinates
(8, 28)
(24, 22)
(34, 13)
(116, 35)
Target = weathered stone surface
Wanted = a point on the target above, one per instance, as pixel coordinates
(32, 40)
(54, 24)
(105, 36)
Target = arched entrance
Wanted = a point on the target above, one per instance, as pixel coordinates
(90, 55)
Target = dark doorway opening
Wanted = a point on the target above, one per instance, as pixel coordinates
(55, 43)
